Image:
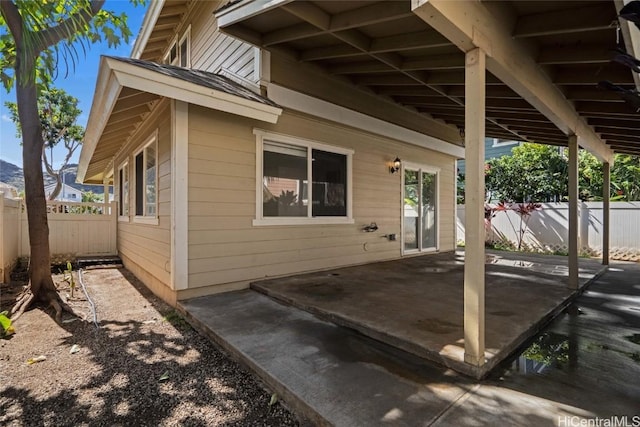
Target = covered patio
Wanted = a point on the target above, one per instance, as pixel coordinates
(549, 72)
(414, 303)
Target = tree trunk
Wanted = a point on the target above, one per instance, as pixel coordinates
(41, 286)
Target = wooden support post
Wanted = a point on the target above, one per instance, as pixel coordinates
(606, 206)
(574, 225)
(475, 76)
(105, 196)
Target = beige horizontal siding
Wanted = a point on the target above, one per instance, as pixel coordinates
(212, 50)
(225, 249)
(146, 247)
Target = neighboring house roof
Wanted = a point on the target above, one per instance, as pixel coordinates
(65, 191)
(202, 78)
(126, 90)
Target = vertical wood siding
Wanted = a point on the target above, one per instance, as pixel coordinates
(224, 246)
(148, 245)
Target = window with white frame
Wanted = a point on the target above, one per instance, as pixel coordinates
(123, 190)
(287, 166)
(180, 51)
(146, 179)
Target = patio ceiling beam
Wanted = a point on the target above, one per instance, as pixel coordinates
(470, 24)
(523, 116)
(396, 43)
(287, 34)
(615, 73)
(344, 26)
(533, 135)
(409, 41)
(368, 15)
(493, 91)
(569, 55)
(617, 131)
(401, 91)
(514, 123)
(615, 123)
(317, 21)
(620, 138)
(441, 62)
(626, 149)
(597, 109)
(573, 20)
(590, 94)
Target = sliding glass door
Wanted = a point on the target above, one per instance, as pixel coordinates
(420, 213)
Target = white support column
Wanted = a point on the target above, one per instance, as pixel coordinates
(574, 225)
(179, 195)
(606, 195)
(474, 207)
(105, 194)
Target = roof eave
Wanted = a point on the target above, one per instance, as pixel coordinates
(148, 24)
(114, 75)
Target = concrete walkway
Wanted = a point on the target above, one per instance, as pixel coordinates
(585, 364)
(416, 303)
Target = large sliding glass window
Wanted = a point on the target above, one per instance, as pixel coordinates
(420, 213)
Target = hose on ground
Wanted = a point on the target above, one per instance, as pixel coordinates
(91, 304)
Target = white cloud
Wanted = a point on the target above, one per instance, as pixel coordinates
(6, 118)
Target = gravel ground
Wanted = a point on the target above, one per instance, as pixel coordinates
(118, 375)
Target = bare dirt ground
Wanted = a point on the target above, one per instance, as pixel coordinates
(142, 366)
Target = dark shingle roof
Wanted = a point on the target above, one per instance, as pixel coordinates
(202, 78)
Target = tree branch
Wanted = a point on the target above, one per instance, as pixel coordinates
(51, 36)
(47, 166)
(13, 19)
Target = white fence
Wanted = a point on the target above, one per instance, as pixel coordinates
(75, 229)
(547, 229)
(10, 227)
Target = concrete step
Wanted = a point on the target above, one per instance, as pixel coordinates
(327, 373)
(90, 261)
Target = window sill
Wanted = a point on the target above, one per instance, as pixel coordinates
(150, 220)
(302, 221)
(123, 219)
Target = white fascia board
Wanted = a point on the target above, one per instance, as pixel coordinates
(148, 24)
(104, 99)
(246, 9)
(319, 108)
(135, 77)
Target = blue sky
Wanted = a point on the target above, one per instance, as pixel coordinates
(79, 83)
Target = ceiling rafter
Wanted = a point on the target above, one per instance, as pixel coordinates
(378, 12)
(573, 20)
(571, 55)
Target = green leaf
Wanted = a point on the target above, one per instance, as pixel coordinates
(164, 376)
(274, 399)
(5, 322)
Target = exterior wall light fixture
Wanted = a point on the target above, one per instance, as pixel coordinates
(396, 166)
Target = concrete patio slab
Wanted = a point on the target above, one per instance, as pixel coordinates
(416, 304)
(582, 366)
(330, 374)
